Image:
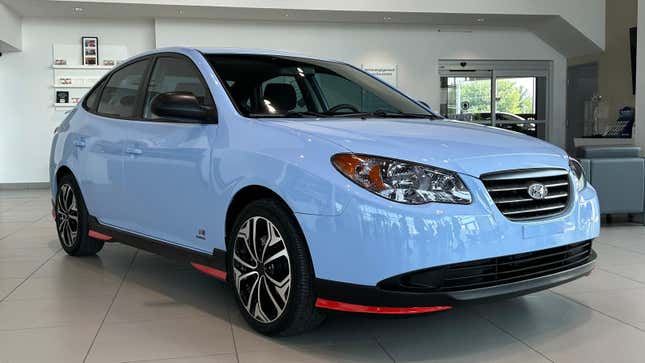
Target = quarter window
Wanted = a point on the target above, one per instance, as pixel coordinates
(172, 74)
(120, 96)
(92, 99)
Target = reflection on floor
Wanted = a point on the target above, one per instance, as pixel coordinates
(127, 305)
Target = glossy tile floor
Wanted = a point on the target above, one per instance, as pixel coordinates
(130, 306)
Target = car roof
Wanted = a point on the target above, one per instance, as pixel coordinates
(247, 51)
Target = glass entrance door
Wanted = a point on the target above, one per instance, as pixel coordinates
(507, 94)
(520, 104)
(467, 97)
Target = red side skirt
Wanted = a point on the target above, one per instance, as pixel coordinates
(219, 274)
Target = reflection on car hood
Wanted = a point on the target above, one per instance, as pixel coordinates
(459, 146)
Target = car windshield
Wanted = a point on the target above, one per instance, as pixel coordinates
(277, 86)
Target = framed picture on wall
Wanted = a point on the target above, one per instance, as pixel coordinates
(90, 49)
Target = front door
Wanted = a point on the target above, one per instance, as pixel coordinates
(167, 163)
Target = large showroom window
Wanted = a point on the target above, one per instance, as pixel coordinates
(508, 95)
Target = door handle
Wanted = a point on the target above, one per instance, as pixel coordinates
(133, 151)
(79, 143)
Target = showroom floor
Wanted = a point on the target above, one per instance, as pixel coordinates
(131, 306)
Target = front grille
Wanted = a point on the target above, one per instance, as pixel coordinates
(510, 192)
(493, 271)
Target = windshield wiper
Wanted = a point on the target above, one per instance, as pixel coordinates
(386, 114)
(305, 113)
(302, 114)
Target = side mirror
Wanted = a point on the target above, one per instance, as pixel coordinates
(182, 105)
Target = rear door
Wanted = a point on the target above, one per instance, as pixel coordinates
(167, 165)
(100, 141)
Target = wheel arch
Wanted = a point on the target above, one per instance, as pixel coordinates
(246, 195)
(253, 192)
(62, 171)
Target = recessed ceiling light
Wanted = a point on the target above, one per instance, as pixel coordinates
(78, 10)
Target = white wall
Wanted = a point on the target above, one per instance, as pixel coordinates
(10, 29)
(27, 118)
(416, 49)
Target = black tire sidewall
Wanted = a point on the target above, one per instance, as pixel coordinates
(302, 274)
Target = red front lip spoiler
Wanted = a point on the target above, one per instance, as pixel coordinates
(337, 305)
(341, 306)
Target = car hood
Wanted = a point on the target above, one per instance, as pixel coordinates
(462, 147)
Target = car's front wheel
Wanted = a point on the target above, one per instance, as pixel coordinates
(271, 271)
(71, 220)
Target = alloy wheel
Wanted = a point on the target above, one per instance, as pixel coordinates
(67, 215)
(261, 269)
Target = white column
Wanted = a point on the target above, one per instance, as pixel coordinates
(639, 136)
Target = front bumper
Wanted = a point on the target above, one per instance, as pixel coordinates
(379, 298)
(375, 239)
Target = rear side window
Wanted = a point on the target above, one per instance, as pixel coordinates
(173, 74)
(120, 95)
(92, 99)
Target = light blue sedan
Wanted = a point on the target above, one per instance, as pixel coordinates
(307, 184)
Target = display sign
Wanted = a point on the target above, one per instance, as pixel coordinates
(386, 72)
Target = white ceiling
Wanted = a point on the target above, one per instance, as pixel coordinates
(551, 28)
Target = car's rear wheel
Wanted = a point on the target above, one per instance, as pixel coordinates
(71, 220)
(271, 271)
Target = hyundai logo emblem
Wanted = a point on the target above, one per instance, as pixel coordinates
(538, 191)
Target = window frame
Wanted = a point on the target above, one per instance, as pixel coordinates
(143, 89)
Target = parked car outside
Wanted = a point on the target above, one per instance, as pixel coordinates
(517, 122)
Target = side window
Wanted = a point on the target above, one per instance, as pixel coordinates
(283, 94)
(92, 99)
(173, 74)
(119, 98)
(338, 90)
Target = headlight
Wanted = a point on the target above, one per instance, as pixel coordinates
(578, 174)
(402, 181)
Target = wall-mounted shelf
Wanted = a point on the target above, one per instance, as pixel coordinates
(65, 105)
(81, 67)
(69, 86)
(73, 80)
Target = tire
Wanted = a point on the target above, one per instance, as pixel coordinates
(270, 270)
(71, 220)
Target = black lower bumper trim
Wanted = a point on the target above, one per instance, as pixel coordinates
(375, 296)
